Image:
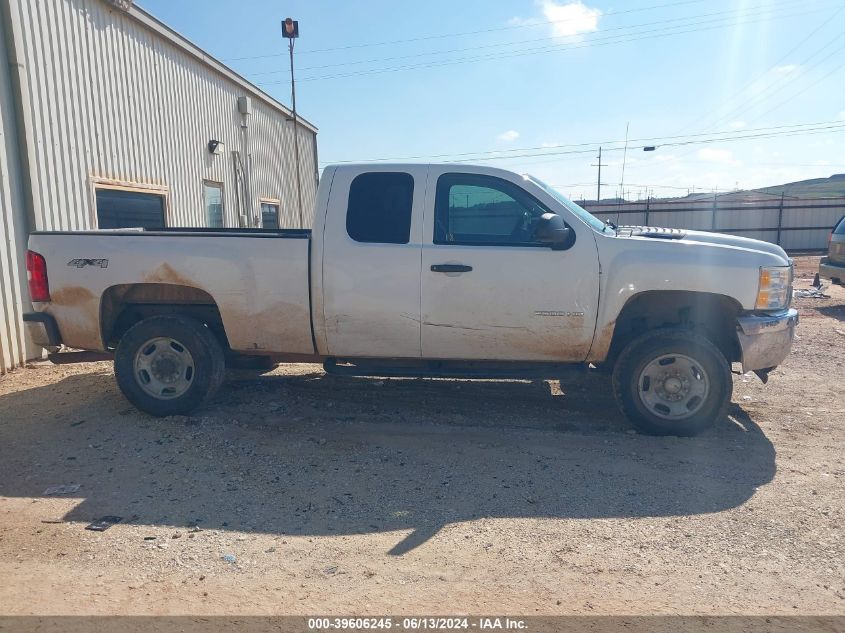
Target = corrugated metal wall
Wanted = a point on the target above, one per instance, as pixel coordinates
(797, 224)
(12, 223)
(114, 97)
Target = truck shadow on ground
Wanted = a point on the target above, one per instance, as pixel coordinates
(834, 312)
(312, 454)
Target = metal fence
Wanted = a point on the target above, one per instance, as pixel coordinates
(796, 224)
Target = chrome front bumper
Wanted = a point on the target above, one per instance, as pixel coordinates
(765, 339)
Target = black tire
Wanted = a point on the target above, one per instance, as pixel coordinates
(206, 374)
(650, 347)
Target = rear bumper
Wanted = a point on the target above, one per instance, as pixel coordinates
(42, 329)
(831, 271)
(766, 339)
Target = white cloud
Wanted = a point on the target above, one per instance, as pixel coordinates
(786, 69)
(570, 18)
(737, 125)
(509, 136)
(566, 19)
(715, 155)
(518, 21)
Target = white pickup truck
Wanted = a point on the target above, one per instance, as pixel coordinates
(424, 270)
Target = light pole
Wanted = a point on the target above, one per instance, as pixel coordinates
(290, 31)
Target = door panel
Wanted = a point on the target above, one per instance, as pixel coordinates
(520, 300)
(371, 297)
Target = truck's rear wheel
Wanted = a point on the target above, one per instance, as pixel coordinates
(672, 382)
(169, 365)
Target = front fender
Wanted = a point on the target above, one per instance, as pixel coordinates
(632, 266)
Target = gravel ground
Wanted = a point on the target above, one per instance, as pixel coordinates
(295, 492)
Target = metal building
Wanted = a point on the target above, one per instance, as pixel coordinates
(109, 118)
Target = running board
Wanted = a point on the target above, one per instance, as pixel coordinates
(68, 358)
(409, 368)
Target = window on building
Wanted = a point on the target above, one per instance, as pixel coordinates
(269, 214)
(125, 209)
(477, 209)
(213, 204)
(379, 208)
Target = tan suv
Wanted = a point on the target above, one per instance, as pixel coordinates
(833, 266)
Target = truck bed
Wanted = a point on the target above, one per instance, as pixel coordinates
(258, 280)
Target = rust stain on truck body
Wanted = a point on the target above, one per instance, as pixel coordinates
(166, 274)
(77, 313)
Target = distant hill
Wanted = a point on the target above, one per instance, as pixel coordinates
(812, 188)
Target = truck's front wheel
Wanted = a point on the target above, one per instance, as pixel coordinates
(169, 365)
(672, 382)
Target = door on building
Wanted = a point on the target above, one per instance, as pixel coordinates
(213, 193)
(124, 209)
(489, 290)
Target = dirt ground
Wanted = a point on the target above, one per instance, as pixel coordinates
(295, 492)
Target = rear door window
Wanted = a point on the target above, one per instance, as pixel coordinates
(379, 209)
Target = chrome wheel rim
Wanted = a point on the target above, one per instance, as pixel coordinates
(673, 386)
(164, 368)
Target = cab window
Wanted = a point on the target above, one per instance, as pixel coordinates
(474, 209)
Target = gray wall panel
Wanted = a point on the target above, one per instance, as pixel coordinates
(13, 294)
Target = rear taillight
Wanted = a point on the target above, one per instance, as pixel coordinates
(39, 287)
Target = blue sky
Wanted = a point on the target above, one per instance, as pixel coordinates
(536, 85)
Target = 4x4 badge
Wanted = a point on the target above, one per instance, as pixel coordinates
(82, 263)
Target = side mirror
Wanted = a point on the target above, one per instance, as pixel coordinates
(552, 230)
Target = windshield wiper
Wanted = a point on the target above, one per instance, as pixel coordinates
(611, 225)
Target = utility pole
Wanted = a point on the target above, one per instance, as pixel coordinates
(290, 31)
(598, 184)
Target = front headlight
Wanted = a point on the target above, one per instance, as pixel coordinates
(775, 289)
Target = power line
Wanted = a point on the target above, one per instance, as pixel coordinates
(727, 139)
(545, 49)
(660, 140)
(735, 13)
(815, 83)
(804, 91)
(719, 120)
(773, 89)
(465, 33)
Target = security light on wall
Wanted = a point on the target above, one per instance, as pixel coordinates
(216, 147)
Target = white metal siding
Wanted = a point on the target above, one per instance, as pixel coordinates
(111, 99)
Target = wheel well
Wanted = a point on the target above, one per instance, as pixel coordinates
(711, 315)
(125, 305)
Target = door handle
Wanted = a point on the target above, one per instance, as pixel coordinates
(450, 268)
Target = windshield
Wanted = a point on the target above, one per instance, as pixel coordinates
(585, 215)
